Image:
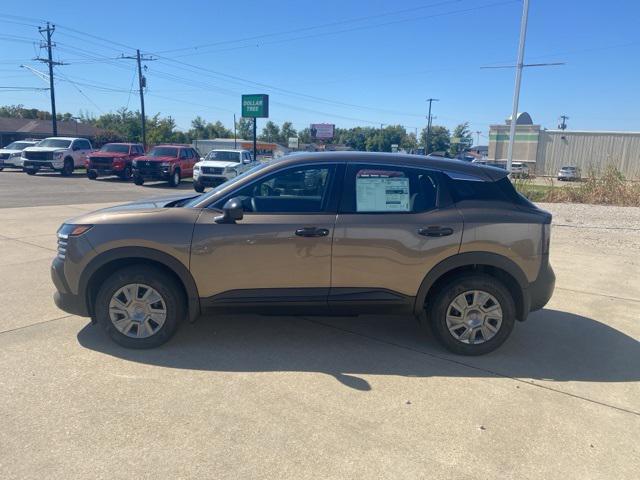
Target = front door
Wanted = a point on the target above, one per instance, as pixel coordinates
(280, 252)
(394, 225)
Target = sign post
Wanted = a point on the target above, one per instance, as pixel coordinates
(255, 106)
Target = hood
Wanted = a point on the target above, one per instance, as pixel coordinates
(145, 158)
(45, 149)
(109, 154)
(218, 163)
(151, 203)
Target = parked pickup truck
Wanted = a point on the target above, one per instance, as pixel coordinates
(61, 154)
(219, 166)
(113, 159)
(169, 163)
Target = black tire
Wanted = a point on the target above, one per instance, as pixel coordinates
(174, 180)
(198, 187)
(436, 314)
(125, 174)
(168, 288)
(138, 180)
(31, 171)
(1, 168)
(92, 174)
(68, 167)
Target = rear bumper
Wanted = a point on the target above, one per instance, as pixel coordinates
(541, 290)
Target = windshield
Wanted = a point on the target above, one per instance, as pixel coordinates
(226, 156)
(18, 145)
(163, 152)
(570, 169)
(54, 143)
(115, 148)
(215, 190)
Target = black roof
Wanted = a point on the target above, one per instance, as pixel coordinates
(400, 159)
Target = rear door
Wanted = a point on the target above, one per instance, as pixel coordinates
(395, 223)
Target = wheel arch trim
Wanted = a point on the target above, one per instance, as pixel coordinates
(144, 253)
(475, 259)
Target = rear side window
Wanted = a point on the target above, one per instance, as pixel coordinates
(500, 191)
(382, 189)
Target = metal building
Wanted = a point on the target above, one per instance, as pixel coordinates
(545, 151)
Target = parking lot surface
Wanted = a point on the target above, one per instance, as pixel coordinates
(318, 397)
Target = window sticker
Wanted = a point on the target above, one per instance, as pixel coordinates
(382, 191)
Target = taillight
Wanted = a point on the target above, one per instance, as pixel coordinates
(546, 237)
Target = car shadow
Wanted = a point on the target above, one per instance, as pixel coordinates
(551, 345)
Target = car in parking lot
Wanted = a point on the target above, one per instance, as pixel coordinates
(11, 155)
(569, 174)
(519, 170)
(218, 166)
(169, 163)
(60, 154)
(113, 159)
(340, 233)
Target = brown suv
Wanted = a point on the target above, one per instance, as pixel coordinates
(335, 233)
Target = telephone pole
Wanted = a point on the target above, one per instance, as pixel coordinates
(49, 60)
(142, 83)
(426, 140)
(478, 132)
(563, 122)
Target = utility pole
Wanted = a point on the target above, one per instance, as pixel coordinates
(516, 92)
(478, 132)
(563, 122)
(142, 83)
(235, 136)
(49, 60)
(426, 140)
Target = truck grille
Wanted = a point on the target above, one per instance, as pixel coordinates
(212, 170)
(149, 168)
(62, 246)
(39, 155)
(101, 162)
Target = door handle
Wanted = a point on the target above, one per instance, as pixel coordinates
(435, 231)
(312, 232)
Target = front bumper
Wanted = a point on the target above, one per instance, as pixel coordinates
(63, 297)
(210, 180)
(155, 174)
(43, 164)
(11, 163)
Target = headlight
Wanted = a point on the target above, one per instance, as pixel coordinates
(134, 163)
(196, 168)
(230, 171)
(58, 155)
(165, 164)
(14, 155)
(23, 154)
(69, 230)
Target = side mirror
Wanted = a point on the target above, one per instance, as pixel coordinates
(202, 159)
(231, 212)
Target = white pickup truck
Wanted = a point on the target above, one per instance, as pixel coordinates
(61, 154)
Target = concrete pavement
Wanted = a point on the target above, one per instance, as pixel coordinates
(308, 397)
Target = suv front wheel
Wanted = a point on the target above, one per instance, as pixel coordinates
(472, 314)
(140, 306)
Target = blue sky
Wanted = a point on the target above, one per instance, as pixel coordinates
(348, 62)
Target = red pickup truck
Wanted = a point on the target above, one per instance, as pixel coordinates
(170, 163)
(113, 159)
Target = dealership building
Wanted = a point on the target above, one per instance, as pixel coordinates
(545, 151)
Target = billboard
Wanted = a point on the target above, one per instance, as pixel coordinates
(255, 106)
(322, 131)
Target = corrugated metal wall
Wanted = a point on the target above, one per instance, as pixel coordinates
(588, 150)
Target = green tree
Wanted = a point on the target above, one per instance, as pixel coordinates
(439, 139)
(287, 131)
(270, 132)
(463, 133)
(245, 128)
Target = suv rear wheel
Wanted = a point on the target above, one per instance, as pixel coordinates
(140, 306)
(472, 314)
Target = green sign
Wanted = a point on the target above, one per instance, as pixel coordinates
(255, 106)
(462, 140)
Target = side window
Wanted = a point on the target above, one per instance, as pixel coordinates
(82, 145)
(292, 190)
(382, 189)
(183, 153)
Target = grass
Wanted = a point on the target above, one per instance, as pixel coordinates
(610, 188)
